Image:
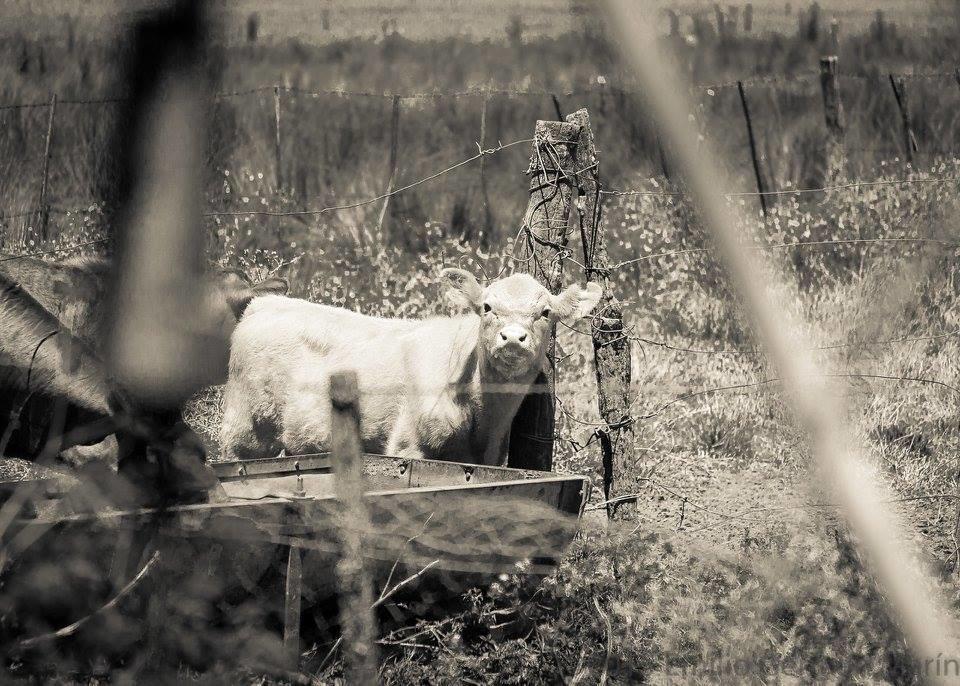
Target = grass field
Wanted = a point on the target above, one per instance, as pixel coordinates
(733, 560)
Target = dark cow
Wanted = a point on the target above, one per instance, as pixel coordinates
(52, 376)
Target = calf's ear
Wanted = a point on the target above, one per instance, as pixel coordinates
(463, 287)
(275, 284)
(576, 302)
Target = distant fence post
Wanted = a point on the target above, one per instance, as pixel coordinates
(753, 148)
(484, 195)
(674, 20)
(253, 27)
(721, 23)
(356, 595)
(611, 348)
(733, 19)
(394, 149)
(748, 18)
(833, 114)
(278, 154)
(44, 205)
(540, 253)
(899, 86)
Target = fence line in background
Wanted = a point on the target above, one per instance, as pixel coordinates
(798, 191)
(490, 151)
(829, 92)
(755, 81)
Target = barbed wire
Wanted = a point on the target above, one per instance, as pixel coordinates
(795, 191)
(483, 91)
(793, 244)
(368, 201)
(684, 397)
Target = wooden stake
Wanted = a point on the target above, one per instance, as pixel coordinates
(833, 116)
(540, 253)
(44, 206)
(753, 148)
(356, 599)
(903, 104)
(611, 349)
(484, 194)
(276, 129)
(291, 607)
(394, 148)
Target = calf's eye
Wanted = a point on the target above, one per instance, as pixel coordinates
(486, 307)
(545, 313)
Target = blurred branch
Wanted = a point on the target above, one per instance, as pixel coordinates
(71, 629)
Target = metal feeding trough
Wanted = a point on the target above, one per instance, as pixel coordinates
(449, 525)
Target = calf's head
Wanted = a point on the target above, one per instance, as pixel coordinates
(517, 316)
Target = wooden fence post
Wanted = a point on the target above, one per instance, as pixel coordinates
(748, 18)
(278, 154)
(356, 595)
(833, 115)
(484, 195)
(733, 19)
(542, 247)
(291, 607)
(44, 205)
(674, 20)
(611, 348)
(753, 148)
(721, 23)
(898, 83)
(394, 147)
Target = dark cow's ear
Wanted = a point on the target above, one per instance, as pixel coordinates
(238, 302)
(463, 287)
(275, 284)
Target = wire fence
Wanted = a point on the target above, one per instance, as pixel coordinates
(44, 208)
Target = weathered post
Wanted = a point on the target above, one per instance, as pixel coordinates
(291, 606)
(753, 148)
(733, 19)
(611, 348)
(721, 24)
(540, 253)
(835, 34)
(833, 114)
(44, 205)
(879, 27)
(394, 149)
(898, 83)
(253, 27)
(278, 154)
(484, 195)
(356, 596)
(748, 18)
(674, 20)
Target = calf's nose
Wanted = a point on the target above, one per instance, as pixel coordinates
(512, 334)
